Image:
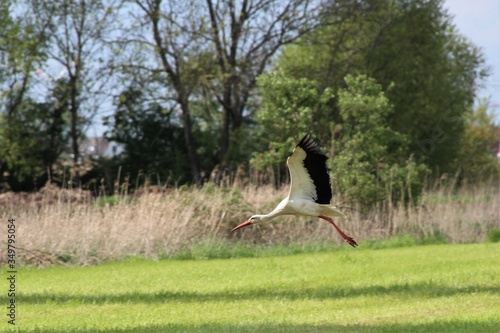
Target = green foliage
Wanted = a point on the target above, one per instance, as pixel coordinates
(31, 131)
(31, 140)
(494, 236)
(437, 237)
(411, 47)
(370, 161)
(290, 107)
(369, 164)
(153, 142)
(204, 95)
(21, 48)
(478, 147)
(434, 70)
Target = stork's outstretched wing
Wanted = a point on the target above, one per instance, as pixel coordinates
(308, 173)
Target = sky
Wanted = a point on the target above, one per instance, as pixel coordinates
(479, 20)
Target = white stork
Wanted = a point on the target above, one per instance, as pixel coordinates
(310, 191)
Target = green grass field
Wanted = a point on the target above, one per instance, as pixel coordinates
(434, 288)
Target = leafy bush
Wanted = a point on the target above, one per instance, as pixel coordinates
(438, 237)
(372, 164)
(370, 160)
(290, 107)
(494, 236)
(477, 161)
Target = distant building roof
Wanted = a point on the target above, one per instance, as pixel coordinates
(99, 146)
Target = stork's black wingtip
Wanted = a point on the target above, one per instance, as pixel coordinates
(309, 145)
(306, 137)
(305, 140)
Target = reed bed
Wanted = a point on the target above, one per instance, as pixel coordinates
(63, 226)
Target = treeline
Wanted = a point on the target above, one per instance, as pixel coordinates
(189, 87)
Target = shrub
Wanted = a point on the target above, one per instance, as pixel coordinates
(372, 164)
(494, 236)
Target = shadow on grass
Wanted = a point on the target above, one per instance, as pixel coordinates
(427, 290)
(457, 326)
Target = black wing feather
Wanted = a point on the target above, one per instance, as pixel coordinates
(315, 164)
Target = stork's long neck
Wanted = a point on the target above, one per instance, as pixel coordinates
(279, 210)
(267, 217)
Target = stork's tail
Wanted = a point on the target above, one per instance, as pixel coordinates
(335, 211)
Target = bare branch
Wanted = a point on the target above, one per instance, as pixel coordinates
(221, 55)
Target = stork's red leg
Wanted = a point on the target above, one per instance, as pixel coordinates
(348, 239)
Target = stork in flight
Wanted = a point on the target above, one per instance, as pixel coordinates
(310, 190)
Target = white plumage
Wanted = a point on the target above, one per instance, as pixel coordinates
(310, 190)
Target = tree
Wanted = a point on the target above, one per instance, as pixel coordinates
(246, 37)
(290, 108)
(172, 48)
(476, 158)
(215, 50)
(434, 70)
(21, 48)
(370, 161)
(23, 42)
(31, 144)
(33, 138)
(78, 30)
(153, 143)
(411, 45)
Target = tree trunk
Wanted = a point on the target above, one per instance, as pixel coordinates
(75, 147)
(191, 146)
(224, 137)
(182, 96)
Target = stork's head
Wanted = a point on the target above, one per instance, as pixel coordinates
(252, 220)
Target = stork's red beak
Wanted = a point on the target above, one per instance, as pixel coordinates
(244, 224)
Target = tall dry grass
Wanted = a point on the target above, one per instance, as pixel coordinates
(60, 225)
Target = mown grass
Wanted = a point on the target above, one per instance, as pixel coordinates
(435, 288)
